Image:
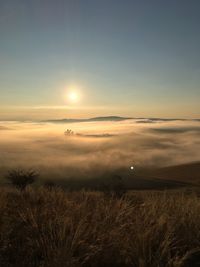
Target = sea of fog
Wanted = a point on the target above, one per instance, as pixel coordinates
(97, 147)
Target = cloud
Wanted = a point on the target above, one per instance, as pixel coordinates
(3, 128)
(97, 147)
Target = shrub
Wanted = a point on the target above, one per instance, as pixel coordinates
(21, 178)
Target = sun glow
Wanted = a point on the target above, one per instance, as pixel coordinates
(73, 96)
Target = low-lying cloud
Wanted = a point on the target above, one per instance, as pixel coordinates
(97, 147)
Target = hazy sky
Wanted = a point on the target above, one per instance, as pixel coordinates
(125, 57)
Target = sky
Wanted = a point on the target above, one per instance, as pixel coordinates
(136, 58)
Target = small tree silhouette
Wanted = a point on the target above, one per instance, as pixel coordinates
(69, 132)
(21, 178)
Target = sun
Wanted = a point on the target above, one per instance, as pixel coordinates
(73, 96)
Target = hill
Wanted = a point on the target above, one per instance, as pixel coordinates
(186, 173)
(107, 118)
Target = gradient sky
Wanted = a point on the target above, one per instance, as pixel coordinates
(126, 57)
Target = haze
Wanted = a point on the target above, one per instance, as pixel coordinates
(97, 147)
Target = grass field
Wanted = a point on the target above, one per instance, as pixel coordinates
(49, 227)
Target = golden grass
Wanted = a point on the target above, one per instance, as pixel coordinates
(53, 228)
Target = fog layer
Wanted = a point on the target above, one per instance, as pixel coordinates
(97, 147)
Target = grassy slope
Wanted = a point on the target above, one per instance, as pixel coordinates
(183, 175)
(50, 228)
(189, 173)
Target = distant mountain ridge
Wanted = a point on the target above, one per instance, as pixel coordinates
(119, 118)
(106, 118)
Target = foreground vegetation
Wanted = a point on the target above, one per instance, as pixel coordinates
(52, 228)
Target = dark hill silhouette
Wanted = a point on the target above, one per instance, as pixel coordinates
(107, 118)
(186, 173)
(118, 118)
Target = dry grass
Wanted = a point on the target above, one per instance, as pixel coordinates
(52, 228)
